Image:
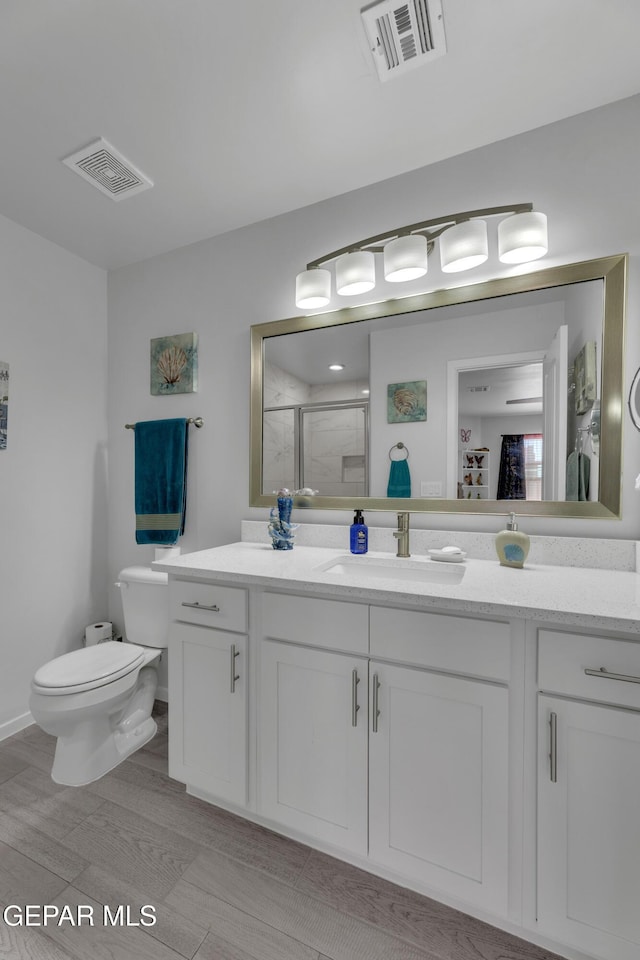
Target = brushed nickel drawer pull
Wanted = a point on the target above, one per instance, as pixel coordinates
(374, 703)
(234, 676)
(553, 747)
(202, 606)
(603, 672)
(355, 680)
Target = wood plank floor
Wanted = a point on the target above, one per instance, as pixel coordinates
(223, 888)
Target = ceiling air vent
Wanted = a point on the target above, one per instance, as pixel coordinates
(404, 35)
(108, 170)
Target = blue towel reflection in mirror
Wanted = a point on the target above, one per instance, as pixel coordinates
(399, 479)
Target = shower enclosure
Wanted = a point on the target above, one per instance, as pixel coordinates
(323, 445)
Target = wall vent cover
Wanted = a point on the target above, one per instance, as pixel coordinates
(108, 170)
(402, 35)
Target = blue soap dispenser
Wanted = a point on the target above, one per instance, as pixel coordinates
(359, 539)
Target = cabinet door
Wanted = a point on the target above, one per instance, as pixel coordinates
(589, 827)
(312, 734)
(208, 680)
(438, 796)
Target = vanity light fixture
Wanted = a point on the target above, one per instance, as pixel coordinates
(405, 258)
(463, 246)
(462, 238)
(522, 237)
(355, 273)
(313, 289)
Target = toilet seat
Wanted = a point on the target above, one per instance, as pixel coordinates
(88, 668)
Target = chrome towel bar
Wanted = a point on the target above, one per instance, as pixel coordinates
(196, 421)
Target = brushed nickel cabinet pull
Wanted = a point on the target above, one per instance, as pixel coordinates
(234, 676)
(374, 703)
(603, 672)
(553, 747)
(355, 680)
(201, 606)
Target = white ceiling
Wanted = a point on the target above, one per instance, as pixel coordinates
(507, 387)
(243, 110)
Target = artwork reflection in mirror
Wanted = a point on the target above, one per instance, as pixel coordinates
(496, 368)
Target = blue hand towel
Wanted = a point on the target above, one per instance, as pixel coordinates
(399, 479)
(160, 480)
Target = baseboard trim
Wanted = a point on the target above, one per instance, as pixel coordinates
(15, 726)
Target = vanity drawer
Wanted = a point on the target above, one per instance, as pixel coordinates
(209, 605)
(563, 659)
(456, 644)
(333, 624)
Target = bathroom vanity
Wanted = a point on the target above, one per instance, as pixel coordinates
(469, 731)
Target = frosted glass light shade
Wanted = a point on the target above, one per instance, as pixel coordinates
(522, 237)
(313, 289)
(355, 273)
(463, 246)
(405, 258)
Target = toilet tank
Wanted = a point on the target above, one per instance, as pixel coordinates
(145, 605)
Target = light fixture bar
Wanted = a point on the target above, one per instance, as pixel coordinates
(462, 238)
(424, 227)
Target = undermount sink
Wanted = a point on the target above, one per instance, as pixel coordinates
(381, 568)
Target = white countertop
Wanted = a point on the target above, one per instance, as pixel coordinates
(582, 597)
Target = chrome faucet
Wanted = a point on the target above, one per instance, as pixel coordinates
(402, 535)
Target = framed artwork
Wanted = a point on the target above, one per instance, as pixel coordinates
(585, 377)
(174, 364)
(4, 403)
(407, 402)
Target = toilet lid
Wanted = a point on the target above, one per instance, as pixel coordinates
(96, 665)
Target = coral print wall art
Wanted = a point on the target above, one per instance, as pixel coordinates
(174, 364)
(4, 403)
(407, 401)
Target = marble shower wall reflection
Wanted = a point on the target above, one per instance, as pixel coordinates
(334, 440)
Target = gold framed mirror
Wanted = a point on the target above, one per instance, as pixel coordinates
(508, 311)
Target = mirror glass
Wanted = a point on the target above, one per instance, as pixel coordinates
(486, 391)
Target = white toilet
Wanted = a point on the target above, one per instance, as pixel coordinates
(98, 700)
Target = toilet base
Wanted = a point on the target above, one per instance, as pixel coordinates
(76, 763)
(93, 738)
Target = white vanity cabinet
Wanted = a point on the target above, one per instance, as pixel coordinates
(423, 791)
(313, 742)
(453, 745)
(208, 684)
(312, 718)
(589, 793)
(438, 753)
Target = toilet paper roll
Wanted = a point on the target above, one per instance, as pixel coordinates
(98, 633)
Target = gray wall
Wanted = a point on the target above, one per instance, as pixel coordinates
(53, 474)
